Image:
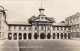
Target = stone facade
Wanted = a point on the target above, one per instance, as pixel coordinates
(40, 27)
(74, 22)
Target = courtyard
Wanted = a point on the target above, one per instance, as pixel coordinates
(40, 45)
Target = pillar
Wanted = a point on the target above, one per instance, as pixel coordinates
(38, 32)
(55, 35)
(27, 36)
(12, 36)
(46, 31)
(32, 32)
(59, 35)
(22, 36)
(17, 36)
(51, 33)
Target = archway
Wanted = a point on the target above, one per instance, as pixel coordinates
(20, 36)
(61, 35)
(24, 36)
(57, 35)
(65, 36)
(15, 36)
(42, 36)
(53, 35)
(68, 35)
(9, 36)
(48, 36)
(35, 36)
(29, 36)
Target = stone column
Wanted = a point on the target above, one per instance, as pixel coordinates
(12, 36)
(66, 35)
(55, 35)
(27, 36)
(38, 32)
(59, 35)
(51, 33)
(33, 32)
(17, 37)
(46, 31)
(22, 36)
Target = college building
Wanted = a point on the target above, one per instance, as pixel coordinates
(40, 27)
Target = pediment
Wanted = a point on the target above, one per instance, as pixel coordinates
(41, 18)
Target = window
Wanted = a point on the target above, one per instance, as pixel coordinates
(9, 28)
(35, 28)
(61, 28)
(42, 27)
(57, 28)
(48, 28)
(19, 27)
(64, 28)
(24, 27)
(53, 28)
(29, 28)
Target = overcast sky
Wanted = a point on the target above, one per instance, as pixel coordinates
(22, 10)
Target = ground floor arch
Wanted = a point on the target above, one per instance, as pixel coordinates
(65, 35)
(42, 36)
(20, 36)
(24, 36)
(29, 36)
(61, 35)
(48, 36)
(53, 35)
(57, 35)
(10, 36)
(15, 36)
(68, 35)
(35, 36)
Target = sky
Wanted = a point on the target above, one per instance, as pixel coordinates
(22, 10)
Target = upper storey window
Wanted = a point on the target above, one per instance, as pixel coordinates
(48, 28)
(19, 27)
(35, 28)
(57, 28)
(24, 27)
(61, 28)
(53, 28)
(29, 28)
(64, 28)
(9, 28)
(42, 27)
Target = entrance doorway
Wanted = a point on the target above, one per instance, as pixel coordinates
(57, 35)
(29, 36)
(42, 36)
(61, 35)
(35, 36)
(24, 36)
(48, 36)
(53, 35)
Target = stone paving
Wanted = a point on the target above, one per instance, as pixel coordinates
(40, 45)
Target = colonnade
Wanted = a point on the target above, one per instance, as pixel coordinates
(29, 36)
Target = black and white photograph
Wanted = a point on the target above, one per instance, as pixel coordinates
(39, 25)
